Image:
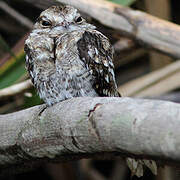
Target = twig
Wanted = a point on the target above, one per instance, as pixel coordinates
(165, 85)
(22, 19)
(15, 89)
(136, 86)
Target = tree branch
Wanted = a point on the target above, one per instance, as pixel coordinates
(22, 19)
(155, 83)
(15, 89)
(91, 127)
(151, 32)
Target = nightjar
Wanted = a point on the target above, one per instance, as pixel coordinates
(66, 57)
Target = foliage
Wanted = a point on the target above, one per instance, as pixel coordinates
(123, 2)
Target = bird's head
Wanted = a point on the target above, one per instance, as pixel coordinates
(61, 19)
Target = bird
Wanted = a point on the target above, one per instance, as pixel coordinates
(67, 57)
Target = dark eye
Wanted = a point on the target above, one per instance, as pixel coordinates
(79, 19)
(46, 23)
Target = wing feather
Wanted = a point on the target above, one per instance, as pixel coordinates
(97, 54)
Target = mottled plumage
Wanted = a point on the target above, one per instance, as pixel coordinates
(66, 57)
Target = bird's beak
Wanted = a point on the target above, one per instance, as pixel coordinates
(63, 24)
(59, 29)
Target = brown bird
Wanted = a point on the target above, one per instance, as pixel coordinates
(66, 57)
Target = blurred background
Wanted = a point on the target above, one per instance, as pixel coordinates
(134, 66)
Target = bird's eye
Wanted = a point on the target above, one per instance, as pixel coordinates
(79, 19)
(46, 23)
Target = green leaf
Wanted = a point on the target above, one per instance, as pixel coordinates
(13, 73)
(123, 2)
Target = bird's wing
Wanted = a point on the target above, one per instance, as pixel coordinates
(97, 54)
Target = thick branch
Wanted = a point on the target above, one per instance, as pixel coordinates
(153, 32)
(91, 127)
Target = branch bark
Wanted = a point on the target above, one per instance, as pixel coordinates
(151, 32)
(91, 127)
